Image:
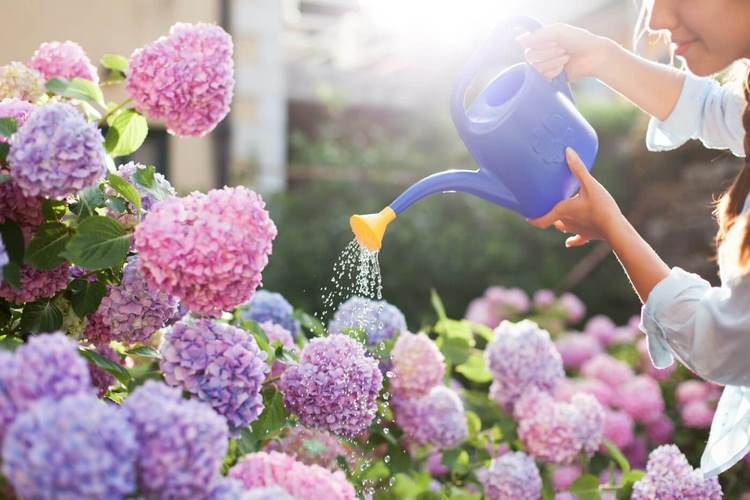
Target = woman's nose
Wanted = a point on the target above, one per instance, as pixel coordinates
(663, 15)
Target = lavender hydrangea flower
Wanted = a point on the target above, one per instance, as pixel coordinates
(76, 447)
(181, 443)
(186, 79)
(513, 475)
(577, 348)
(219, 363)
(669, 475)
(270, 306)
(56, 152)
(574, 308)
(134, 310)
(17, 81)
(8, 409)
(496, 305)
(418, 365)
(380, 320)
(267, 493)
(521, 357)
(172, 243)
(97, 330)
(334, 385)
(225, 488)
(48, 366)
(660, 430)
(63, 59)
(436, 419)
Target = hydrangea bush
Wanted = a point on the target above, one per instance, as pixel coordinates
(138, 359)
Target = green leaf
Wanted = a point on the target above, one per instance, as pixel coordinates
(53, 210)
(260, 336)
(586, 487)
(86, 296)
(144, 351)
(145, 176)
(47, 245)
(274, 416)
(42, 316)
(114, 62)
(314, 446)
(309, 323)
(5, 314)
(358, 334)
(77, 88)
(126, 189)
(455, 349)
(126, 134)
(4, 150)
(437, 303)
(8, 126)
(115, 369)
(89, 200)
(100, 242)
(475, 369)
(13, 240)
(474, 423)
(617, 455)
(627, 482)
(12, 274)
(10, 343)
(457, 460)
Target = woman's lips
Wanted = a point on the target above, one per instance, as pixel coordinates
(683, 47)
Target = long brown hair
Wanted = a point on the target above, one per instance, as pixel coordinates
(734, 226)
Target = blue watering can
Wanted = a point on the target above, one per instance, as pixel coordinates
(516, 130)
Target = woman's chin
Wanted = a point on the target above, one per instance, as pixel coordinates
(701, 66)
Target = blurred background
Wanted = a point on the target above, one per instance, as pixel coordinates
(341, 104)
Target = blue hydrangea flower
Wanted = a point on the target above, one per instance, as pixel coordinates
(379, 319)
(77, 447)
(270, 306)
(181, 443)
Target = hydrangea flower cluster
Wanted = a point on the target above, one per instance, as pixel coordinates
(219, 363)
(619, 428)
(63, 59)
(36, 284)
(26, 211)
(607, 369)
(602, 329)
(267, 493)
(311, 447)
(557, 432)
(133, 310)
(76, 447)
(190, 250)
(17, 109)
(380, 320)
(270, 306)
(564, 476)
(159, 190)
(225, 488)
(436, 418)
(574, 308)
(278, 333)
(660, 430)
(56, 152)
(513, 475)
(98, 331)
(641, 398)
(521, 357)
(185, 79)
(576, 348)
(18, 81)
(498, 304)
(7, 407)
(418, 365)
(303, 482)
(334, 386)
(669, 475)
(181, 443)
(696, 401)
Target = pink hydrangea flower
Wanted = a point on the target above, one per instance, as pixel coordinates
(208, 250)
(641, 399)
(64, 59)
(17, 109)
(575, 309)
(697, 414)
(576, 348)
(513, 475)
(418, 365)
(26, 211)
(544, 298)
(436, 418)
(619, 428)
(691, 390)
(669, 475)
(601, 328)
(609, 370)
(17, 81)
(185, 79)
(637, 452)
(303, 482)
(564, 475)
(660, 430)
(498, 304)
(36, 284)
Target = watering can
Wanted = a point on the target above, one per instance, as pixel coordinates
(516, 130)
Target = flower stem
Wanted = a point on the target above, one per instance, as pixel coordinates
(112, 111)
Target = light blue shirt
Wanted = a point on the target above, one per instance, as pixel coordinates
(706, 328)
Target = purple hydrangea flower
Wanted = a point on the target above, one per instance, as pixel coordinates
(303, 482)
(76, 447)
(17, 81)
(521, 357)
(334, 386)
(17, 109)
(574, 308)
(225, 488)
(36, 284)
(619, 428)
(436, 418)
(641, 398)
(173, 243)
(660, 430)
(48, 366)
(564, 476)
(669, 475)
(63, 59)
(311, 447)
(513, 475)
(380, 320)
(609, 370)
(133, 309)
(181, 443)
(577, 348)
(267, 493)
(56, 152)
(97, 330)
(601, 328)
(497, 304)
(26, 211)
(185, 79)
(270, 306)
(8, 409)
(418, 365)
(219, 363)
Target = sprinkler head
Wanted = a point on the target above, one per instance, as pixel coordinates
(370, 228)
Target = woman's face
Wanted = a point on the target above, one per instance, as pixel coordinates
(709, 34)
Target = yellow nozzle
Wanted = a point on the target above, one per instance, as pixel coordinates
(369, 229)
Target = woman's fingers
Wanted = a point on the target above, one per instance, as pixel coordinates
(540, 55)
(578, 169)
(576, 241)
(550, 69)
(553, 215)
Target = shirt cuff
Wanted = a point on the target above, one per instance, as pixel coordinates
(664, 293)
(683, 122)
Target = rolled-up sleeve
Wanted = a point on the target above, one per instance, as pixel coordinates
(707, 328)
(706, 111)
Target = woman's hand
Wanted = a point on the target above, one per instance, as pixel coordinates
(559, 47)
(592, 214)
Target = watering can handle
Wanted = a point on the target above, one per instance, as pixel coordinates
(470, 71)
